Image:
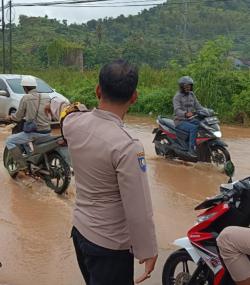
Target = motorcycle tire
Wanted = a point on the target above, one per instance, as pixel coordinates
(182, 257)
(9, 163)
(60, 177)
(219, 155)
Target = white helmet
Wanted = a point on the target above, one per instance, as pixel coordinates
(28, 81)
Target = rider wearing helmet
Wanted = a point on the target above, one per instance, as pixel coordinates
(234, 245)
(185, 104)
(31, 108)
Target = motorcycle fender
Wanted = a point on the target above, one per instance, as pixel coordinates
(217, 142)
(64, 152)
(157, 133)
(155, 130)
(185, 243)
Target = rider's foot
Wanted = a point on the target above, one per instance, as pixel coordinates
(193, 153)
(19, 158)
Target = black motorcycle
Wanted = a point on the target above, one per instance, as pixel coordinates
(173, 143)
(46, 158)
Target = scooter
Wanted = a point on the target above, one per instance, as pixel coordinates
(46, 158)
(171, 142)
(198, 262)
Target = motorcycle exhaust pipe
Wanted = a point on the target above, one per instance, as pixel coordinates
(36, 169)
(44, 172)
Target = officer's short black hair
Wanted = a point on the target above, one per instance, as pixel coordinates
(118, 81)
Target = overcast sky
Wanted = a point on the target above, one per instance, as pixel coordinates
(81, 15)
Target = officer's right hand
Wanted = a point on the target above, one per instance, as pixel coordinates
(149, 267)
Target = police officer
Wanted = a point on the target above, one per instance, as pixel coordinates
(234, 245)
(113, 218)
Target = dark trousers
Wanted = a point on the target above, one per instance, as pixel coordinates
(102, 266)
(190, 127)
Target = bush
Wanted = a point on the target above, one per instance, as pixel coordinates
(157, 101)
(241, 107)
(218, 84)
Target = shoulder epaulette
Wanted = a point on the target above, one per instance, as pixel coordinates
(69, 109)
(128, 134)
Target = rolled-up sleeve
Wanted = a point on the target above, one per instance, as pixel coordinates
(56, 105)
(136, 199)
(20, 113)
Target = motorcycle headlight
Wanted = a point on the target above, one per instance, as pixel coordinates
(218, 134)
(204, 218)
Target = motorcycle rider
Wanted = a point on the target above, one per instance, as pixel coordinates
(185, 104)
(31, 108)
(234, 246)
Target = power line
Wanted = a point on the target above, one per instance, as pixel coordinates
(71, 3)
(92, 4)
(105, 6)
(55, 3)
(77, 3)
(68, 2)
(119, 4)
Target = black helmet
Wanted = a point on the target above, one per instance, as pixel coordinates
(186, 80)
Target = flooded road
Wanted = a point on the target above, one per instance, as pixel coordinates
(35, 224)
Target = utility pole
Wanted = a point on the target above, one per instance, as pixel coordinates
(10, 51)
(185, 19)
(3, 35)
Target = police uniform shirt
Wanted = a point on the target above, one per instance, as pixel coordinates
(113, 205)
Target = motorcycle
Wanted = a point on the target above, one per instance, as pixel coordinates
(171, 142)
(46, 158)
(198, 261)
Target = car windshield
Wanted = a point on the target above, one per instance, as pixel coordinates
(15, 85)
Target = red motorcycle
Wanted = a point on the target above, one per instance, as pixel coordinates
(198, 261)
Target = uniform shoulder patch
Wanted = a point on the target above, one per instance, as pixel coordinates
(142, 161)
(69, 109)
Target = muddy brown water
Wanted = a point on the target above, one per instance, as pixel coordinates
(35, 245)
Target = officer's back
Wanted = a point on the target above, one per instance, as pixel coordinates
(113, 212)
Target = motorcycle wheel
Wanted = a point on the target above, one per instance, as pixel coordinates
(179, 268)
(219, 156)
(60, 175)
(9, 163)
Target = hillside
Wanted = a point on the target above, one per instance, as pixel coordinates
(157, 36)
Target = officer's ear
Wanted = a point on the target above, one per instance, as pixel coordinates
(134, 98)
(98, 92)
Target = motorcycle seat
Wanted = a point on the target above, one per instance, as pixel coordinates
(167, 122)
(45, 139)
(170, 124)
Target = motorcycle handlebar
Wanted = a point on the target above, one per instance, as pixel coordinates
(237, 190)
(192, 117)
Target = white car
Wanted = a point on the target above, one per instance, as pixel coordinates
(11, 92)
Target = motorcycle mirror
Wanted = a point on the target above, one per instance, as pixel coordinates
(229, 170)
